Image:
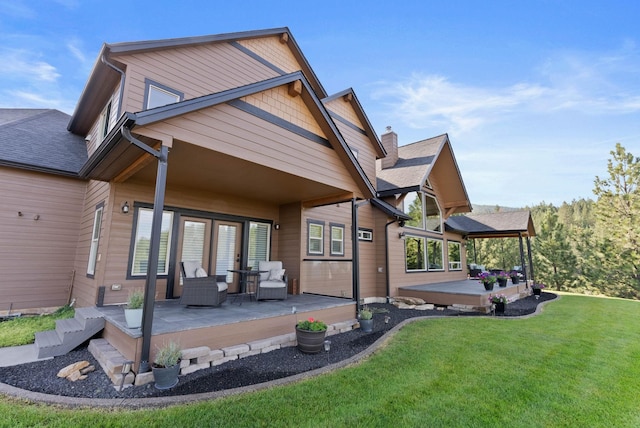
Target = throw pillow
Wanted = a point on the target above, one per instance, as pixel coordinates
(201, 273)
(276, 274)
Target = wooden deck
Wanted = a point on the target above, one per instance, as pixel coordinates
(232, 323)
(468, 292)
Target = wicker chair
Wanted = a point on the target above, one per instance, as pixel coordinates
(199, 289)
(272, 283)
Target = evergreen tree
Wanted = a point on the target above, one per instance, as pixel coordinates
(618, 220)
(554, 258)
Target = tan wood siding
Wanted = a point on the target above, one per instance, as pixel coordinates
(37, 256)
(344, 109)
(273, 51)
(85, 288)
(231, 131)
(360, 142)
(195, 71)
(289, 240)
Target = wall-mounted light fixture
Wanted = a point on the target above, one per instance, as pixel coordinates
(276, 226)
(125, 207)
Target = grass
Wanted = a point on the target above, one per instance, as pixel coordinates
(576, 364)
(22, 330)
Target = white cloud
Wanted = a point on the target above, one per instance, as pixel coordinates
(21, 65)
(583, 83)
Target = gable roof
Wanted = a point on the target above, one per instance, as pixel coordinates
(37, 140)
(350, 95)
(493, 225)
(412, 168)
(115, 154)
(105, 73)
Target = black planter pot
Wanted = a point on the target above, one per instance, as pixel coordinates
(166, 377)
(500, 307)
(310, 342)
(366, 325)
(488, 286)
(515, 280)
(537, 291)
(502, 282)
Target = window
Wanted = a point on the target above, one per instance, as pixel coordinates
(105, 119)
(414, 250)
(95, 237)
(424, 212)
(337, 240)
(259, 240)
(455, 261)
(435, 254)
(316, 237)
(141, 244)
(413, 208)
(365, 234)
(432, 210)
(158, 95)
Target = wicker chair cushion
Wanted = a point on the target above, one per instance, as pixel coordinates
(201, 273)
(276, 274)
(222, 286)
(272, 284)
(266, 267)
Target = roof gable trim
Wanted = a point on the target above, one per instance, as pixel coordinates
(257, 57)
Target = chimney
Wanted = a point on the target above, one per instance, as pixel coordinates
(390, 143)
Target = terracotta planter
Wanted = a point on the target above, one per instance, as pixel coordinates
(310, 342)
(502, 282)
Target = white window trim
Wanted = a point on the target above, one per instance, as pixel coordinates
(365, 235)
(135, 244)
(151, 85)
(95, 240)
(459, 262)
(105, 120)
(425, 260)
(441, 254)
(341, 241)
(310, 238)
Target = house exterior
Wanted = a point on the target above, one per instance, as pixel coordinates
(227, 150)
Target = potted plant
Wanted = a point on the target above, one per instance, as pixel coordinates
(133, 309)
(366, 319)
(499, 301)
(487, 279)
(166, 365)
(537, 289)
(502, 278)
(515, 279)
(310, 335)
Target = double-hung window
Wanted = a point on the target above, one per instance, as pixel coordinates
(315, 232)
(455, 260)
(337, 240)
(142, 240)
(95, 237)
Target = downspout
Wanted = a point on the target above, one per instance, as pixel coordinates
(355, 254)
(103, 58)
(386, 253)
(154, 245)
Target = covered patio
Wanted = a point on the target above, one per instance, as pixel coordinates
(237, 322)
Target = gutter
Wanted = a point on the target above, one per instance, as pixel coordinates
(103, 58)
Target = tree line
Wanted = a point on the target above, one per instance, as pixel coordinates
(586, 246)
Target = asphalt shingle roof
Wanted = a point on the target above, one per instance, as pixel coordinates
(414, 162)
(501, 222)
(38, 139)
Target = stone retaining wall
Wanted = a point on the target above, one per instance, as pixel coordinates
(199, 358)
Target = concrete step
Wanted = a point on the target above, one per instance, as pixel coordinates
(69, 333)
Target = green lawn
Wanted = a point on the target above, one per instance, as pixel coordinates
(575, 365)
(21, 331)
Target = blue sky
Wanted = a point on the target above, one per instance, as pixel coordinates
(533, 94)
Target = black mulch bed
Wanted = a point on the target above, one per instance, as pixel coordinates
(41, 376)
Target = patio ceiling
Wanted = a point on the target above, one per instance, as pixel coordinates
(193, 167)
